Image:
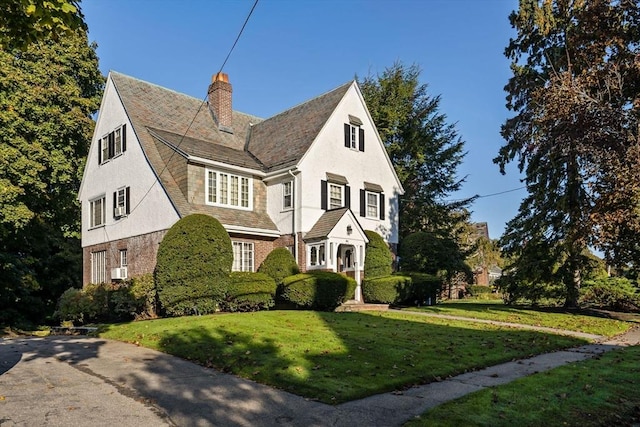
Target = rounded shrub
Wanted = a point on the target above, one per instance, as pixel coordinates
(387, 289)
(193, 266)
(378, 260)
(249, 291)
(318, 290)
(425, 289)
(279, 264)
(616, 293)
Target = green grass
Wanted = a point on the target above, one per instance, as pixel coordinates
(337, 357)
(496, 310)
(596, 392)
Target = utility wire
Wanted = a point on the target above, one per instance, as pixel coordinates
(196, 114)
(478, 196)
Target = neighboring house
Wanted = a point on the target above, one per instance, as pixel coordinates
(311, 179)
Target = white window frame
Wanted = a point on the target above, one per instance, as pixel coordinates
(370, 205)
(104, 145)
(124, 261)
(318, 255)
(92, 212)
(117, 142)
(330, 203)
(99, 267)
(354, 136)
(228, 190)
(243, 256)
(287, 195)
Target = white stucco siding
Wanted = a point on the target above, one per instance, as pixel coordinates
(281, 216)
(131, 169)
(329, 154)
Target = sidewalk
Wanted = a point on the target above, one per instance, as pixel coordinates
(91, 381)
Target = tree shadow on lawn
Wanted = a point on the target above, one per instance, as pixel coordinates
(357, 354)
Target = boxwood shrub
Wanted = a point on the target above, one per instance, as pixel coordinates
(193, 266)
(377, 261)
(394, 289)
(249, 291)
(318, 290)
(279, 264)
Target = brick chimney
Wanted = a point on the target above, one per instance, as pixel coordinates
(220, 101)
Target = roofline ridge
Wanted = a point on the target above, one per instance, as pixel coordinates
(349, 83)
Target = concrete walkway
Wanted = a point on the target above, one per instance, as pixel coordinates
(81, 381)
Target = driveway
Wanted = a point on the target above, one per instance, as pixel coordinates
(82, 381)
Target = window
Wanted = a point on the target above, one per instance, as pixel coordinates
(287, 200)
(354, 134)
(225, 189)
(99, 267)
(121, 202)
(242, 256)
(317, 255)
(372, 205)
(113, 144)
(335, 196)
(123, 258)
(97, 212)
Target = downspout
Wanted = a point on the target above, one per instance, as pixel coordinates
(293, 217)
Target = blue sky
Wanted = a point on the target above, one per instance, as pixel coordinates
(294, 50)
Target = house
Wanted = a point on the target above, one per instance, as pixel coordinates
(310, 179)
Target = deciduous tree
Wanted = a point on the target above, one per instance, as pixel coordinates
(48, 94)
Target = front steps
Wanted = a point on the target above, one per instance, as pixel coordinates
(353, 305)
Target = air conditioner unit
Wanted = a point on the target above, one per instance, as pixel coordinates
(119, 211)
(119, 273)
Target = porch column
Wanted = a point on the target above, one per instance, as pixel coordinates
(356, 259)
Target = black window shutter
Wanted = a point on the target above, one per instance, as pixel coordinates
(111, 144)
(361, 146)
(363, 208)
(323, 195)
(347, 196)
(381, 205)
(126, 200)
(347, 135)
(124, 139)
(100, 151)
(115, 201)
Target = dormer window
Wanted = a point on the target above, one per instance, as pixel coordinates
(228, 190)
(354, 134)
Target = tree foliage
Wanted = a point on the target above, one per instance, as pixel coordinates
(24, 22)
(424, 149)
(574, 91)
(193, 266)
(48, 94)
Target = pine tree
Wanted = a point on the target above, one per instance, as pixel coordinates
(576, 78)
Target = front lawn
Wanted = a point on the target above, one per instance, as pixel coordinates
(337, 357)
(596, 392)
(537, 317)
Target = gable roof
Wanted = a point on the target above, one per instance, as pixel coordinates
(328, 221)
(282, 140)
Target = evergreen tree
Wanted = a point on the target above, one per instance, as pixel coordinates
(574, 91)
(425, 151)
(48, 93)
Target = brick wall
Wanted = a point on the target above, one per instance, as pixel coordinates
(141, 255)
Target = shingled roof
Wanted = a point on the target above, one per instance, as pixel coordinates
(282, 140)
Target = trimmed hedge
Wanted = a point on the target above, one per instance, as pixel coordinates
(378, 260)
(387, 289)
(249, 292)
(279, 264)
(193, 266)
(406, 288)
(476, 290)
(318, 290)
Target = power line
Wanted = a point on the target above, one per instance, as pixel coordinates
(196, 114)
(478, 196)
